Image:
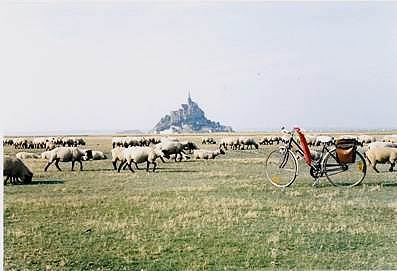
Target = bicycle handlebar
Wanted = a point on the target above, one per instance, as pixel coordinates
(285, 131)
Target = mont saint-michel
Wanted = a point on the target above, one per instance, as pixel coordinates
(189, 118)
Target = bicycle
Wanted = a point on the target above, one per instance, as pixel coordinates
(282, 164)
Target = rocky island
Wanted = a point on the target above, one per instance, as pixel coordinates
(189, 118)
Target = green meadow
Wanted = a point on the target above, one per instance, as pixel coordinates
(219, 214)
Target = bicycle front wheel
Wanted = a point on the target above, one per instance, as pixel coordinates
(344, 175)
(281, 167)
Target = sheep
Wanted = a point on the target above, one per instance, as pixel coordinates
(21, 143)
(39, 142)
(390, 138)
(15, 169)
(347, 137)
(315, 155)
(172, 147)
(183, 157)
(70, 141)
(365, 139)
(80, 141)
(285, 139)
(117, 142)
(50, 145)
(381, 144)
(139, 155)
(96, 155)
(232, 142)
(46, 155)
(382, 155)
(248, 142)
(269, 140)
(207, 154)
(8, 141)
(225, 142)
(117, 155)
(208, 140)
(189, 146)
(311, 140)
(133, 141)
(67, 154)
(27, 155)
(265, 140)
(323, 140)
(152, 140)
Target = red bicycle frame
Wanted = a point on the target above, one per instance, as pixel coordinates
(305, 147)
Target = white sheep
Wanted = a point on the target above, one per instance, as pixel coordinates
(247, 142)
(118, 142)
(96, 155)
(231, 142)
(67, 154)
(175, 156)
(8, 141)
(39, 142)
(133, 141)
(22, 143)
(346, 137)
(365, 139)
(265, 140)
(285, 139)
(382, 155)
(323, 140)
(207, 154)
(46, 155)
(381, 144)
(15, 169)
(117, 155)
(315, 155)
(50, 145)
(189, 146)
(269, 140)
(172, 147)
(27, 155)
(311, 140)
(390, 138)
(208, 140)
(139, 155)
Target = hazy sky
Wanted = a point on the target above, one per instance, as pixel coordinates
(253, 66)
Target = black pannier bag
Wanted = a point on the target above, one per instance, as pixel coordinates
(346, 150)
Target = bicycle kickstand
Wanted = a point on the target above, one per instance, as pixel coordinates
(316, 182)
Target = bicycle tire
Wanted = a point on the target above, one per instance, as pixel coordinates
(344, 175)
(281, 167)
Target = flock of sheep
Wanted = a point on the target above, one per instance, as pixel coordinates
(47, 143)
(128, 152)
(317, 140)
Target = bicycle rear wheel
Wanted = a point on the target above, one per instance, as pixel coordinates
(344, 175)
(281, 167)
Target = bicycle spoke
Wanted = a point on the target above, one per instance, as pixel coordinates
(281, 168)
(346, 175)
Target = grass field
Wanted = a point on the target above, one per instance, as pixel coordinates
(196, 215)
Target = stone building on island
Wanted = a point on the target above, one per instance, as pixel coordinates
(189, 118)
